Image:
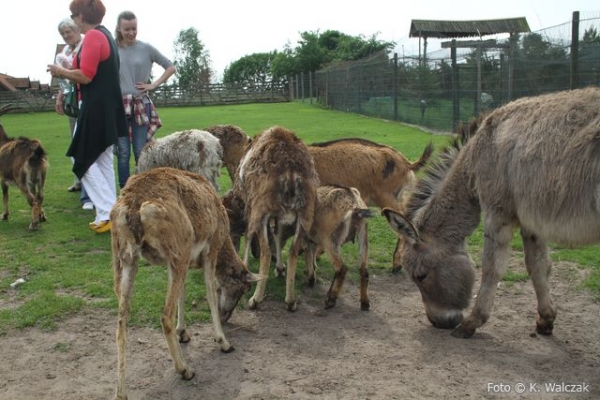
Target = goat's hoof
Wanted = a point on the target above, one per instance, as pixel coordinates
(4, 217)
(330, 302)
(187, 374)
(253, 304)
(365, 305)
(184, 337)
(228, 349)
(279, 273)
(544, 328)
(43, 218)
(311, 282)
(33, 227)
(462, 333)
(292, 306)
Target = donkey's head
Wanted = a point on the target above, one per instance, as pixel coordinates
(444, 274)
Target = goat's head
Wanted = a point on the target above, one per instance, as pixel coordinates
(3, 110)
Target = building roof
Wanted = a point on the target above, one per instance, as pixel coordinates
(463, 29)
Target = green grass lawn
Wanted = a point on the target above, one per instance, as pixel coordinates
(67, 266)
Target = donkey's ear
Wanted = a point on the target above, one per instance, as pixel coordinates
(402, 226)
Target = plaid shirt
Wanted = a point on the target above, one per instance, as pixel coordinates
(134, 106)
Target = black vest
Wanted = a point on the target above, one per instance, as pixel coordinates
(101, 117)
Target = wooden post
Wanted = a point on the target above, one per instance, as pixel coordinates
(455, 96)
(478, 99)
(575, 51)
(310, 86)
(395, 86)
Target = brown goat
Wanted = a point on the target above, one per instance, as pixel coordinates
(23, 162)
(277, 183)
(340, 216)
(175, 218)
(379, 172)
(234, 142)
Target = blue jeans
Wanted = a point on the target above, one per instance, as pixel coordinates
(138, 140)
(84, 197)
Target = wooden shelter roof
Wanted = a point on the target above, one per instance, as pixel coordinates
(463, 29)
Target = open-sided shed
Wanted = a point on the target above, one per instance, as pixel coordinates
(424, 29)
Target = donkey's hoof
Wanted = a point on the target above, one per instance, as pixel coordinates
(462, 333)
(397, 269)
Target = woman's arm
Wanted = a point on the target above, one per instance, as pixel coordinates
(146, 87)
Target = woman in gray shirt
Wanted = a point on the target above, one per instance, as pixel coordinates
(137, 59)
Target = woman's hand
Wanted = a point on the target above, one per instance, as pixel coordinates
(58, 106)
(145, 87)
(55, 70)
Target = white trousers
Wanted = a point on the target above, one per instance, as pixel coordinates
(100, 184)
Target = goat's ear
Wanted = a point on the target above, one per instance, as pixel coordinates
(402, 226)
(250, 277)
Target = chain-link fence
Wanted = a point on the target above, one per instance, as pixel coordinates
(461, 80)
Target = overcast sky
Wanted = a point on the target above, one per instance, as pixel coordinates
(231, 29)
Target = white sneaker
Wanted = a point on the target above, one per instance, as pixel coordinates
(88, 205)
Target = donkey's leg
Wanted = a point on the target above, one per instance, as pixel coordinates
(538, 265)
(182, 334)
(496, 252)
(265, 263)
(363, 254)
(125, 269)
(177, 273)
(210, 280)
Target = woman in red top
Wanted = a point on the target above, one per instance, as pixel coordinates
(101, 117)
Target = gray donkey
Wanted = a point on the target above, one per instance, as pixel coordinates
(533, 164)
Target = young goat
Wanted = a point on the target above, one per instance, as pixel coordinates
(340, 216)
(235, 143)
(191, 150)
(23, 162)
(175, 218)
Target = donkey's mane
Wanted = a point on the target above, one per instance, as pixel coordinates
(437, 169)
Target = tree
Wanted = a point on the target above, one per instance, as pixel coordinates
(254, 69)
(192, 60)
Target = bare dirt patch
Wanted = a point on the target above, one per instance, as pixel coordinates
(390, 352)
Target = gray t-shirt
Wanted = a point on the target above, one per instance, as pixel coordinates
(136, 65)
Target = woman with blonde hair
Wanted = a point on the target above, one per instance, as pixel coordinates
(137, 59)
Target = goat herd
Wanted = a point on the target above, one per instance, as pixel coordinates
(533, 163)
